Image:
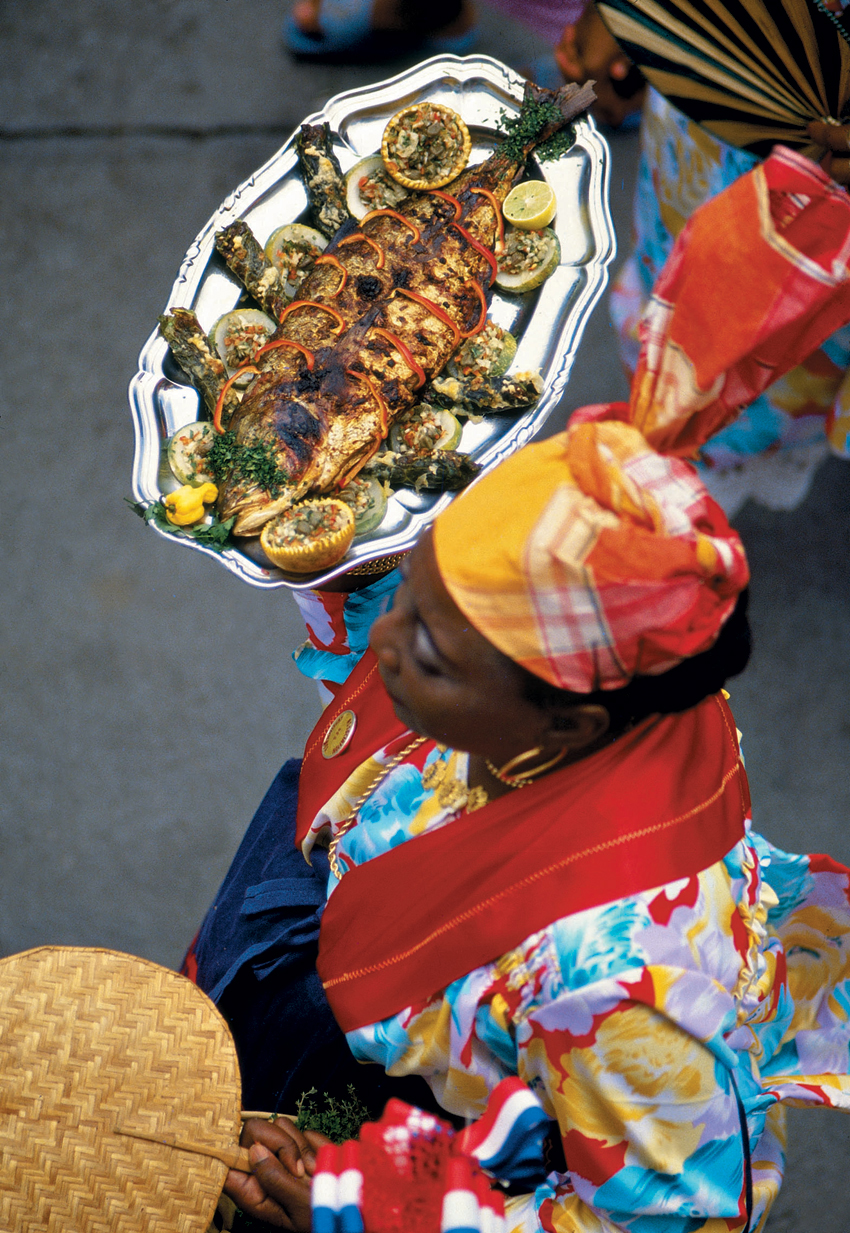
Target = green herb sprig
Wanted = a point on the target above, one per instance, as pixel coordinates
(557, 145)
(215, 536)
(255, 463)
(519, 131)
(338, 1119)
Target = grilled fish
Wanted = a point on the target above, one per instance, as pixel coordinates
(191, 349)
(442, 471)
(381, 312)
(244, 254)
(322, 177)
(488, 396)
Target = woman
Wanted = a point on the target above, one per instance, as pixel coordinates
(771, 452)
(540, 857)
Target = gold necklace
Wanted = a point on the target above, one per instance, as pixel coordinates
(523, 778)
(348, 822)
(497, 774)
(451, 792)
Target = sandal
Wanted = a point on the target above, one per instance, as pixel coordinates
(347, 34)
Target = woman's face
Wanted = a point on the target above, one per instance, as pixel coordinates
(446, 681)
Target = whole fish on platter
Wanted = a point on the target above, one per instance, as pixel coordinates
(382, 311)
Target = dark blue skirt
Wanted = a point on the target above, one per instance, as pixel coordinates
(256, 958)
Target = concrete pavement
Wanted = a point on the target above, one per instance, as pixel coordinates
(147, 696)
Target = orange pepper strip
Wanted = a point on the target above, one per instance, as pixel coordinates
(485, 252)
(380, 255)
(287, 342)
(497, 209)
(376, 394)
(415, 232)
(405, 353)
(219, 404)
(326, 308)
(352, 471)
(436, 192)
(330, 259)
(482, 320)
(438, 312)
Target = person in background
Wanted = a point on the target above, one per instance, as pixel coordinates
(375, 30)
(581, 43)
(773, 450)
(380, 29)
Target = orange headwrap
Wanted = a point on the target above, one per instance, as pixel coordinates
(610, 559)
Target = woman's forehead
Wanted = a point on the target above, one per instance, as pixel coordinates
(448, 626)
(431, 596)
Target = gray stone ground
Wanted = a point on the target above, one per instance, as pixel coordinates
(147, 696)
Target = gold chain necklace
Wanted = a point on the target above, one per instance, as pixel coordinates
(450, 791)
(348, 822)
(497, 773)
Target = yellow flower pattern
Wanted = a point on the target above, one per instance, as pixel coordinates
(634, 1023)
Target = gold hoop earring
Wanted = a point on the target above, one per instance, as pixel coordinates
(523, 778)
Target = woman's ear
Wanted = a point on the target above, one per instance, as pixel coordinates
(578, 727)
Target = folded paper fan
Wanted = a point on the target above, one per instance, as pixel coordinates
(108, 1062)
(753, 72)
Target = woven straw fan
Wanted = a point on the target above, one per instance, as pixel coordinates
(119, 1096)
(753, 72)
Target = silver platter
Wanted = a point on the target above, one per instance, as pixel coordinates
(548, 323)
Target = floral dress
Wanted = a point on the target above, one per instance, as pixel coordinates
(639, 1025)
(772, 450)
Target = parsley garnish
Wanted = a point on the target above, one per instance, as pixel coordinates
(556, 145)
(339, 1119)
(215, 536)
(519, 131)
(255, 463)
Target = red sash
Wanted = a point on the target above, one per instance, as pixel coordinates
(662, 803)
(376, 725)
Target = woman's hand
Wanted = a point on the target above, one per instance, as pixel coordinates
(283, 1160)
(836, 138)
(588, 51)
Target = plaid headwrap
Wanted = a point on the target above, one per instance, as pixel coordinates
(611, 559)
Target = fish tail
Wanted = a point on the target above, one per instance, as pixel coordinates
(571, 100)
(529, 130)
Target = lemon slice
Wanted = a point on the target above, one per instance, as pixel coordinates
(530, 205)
